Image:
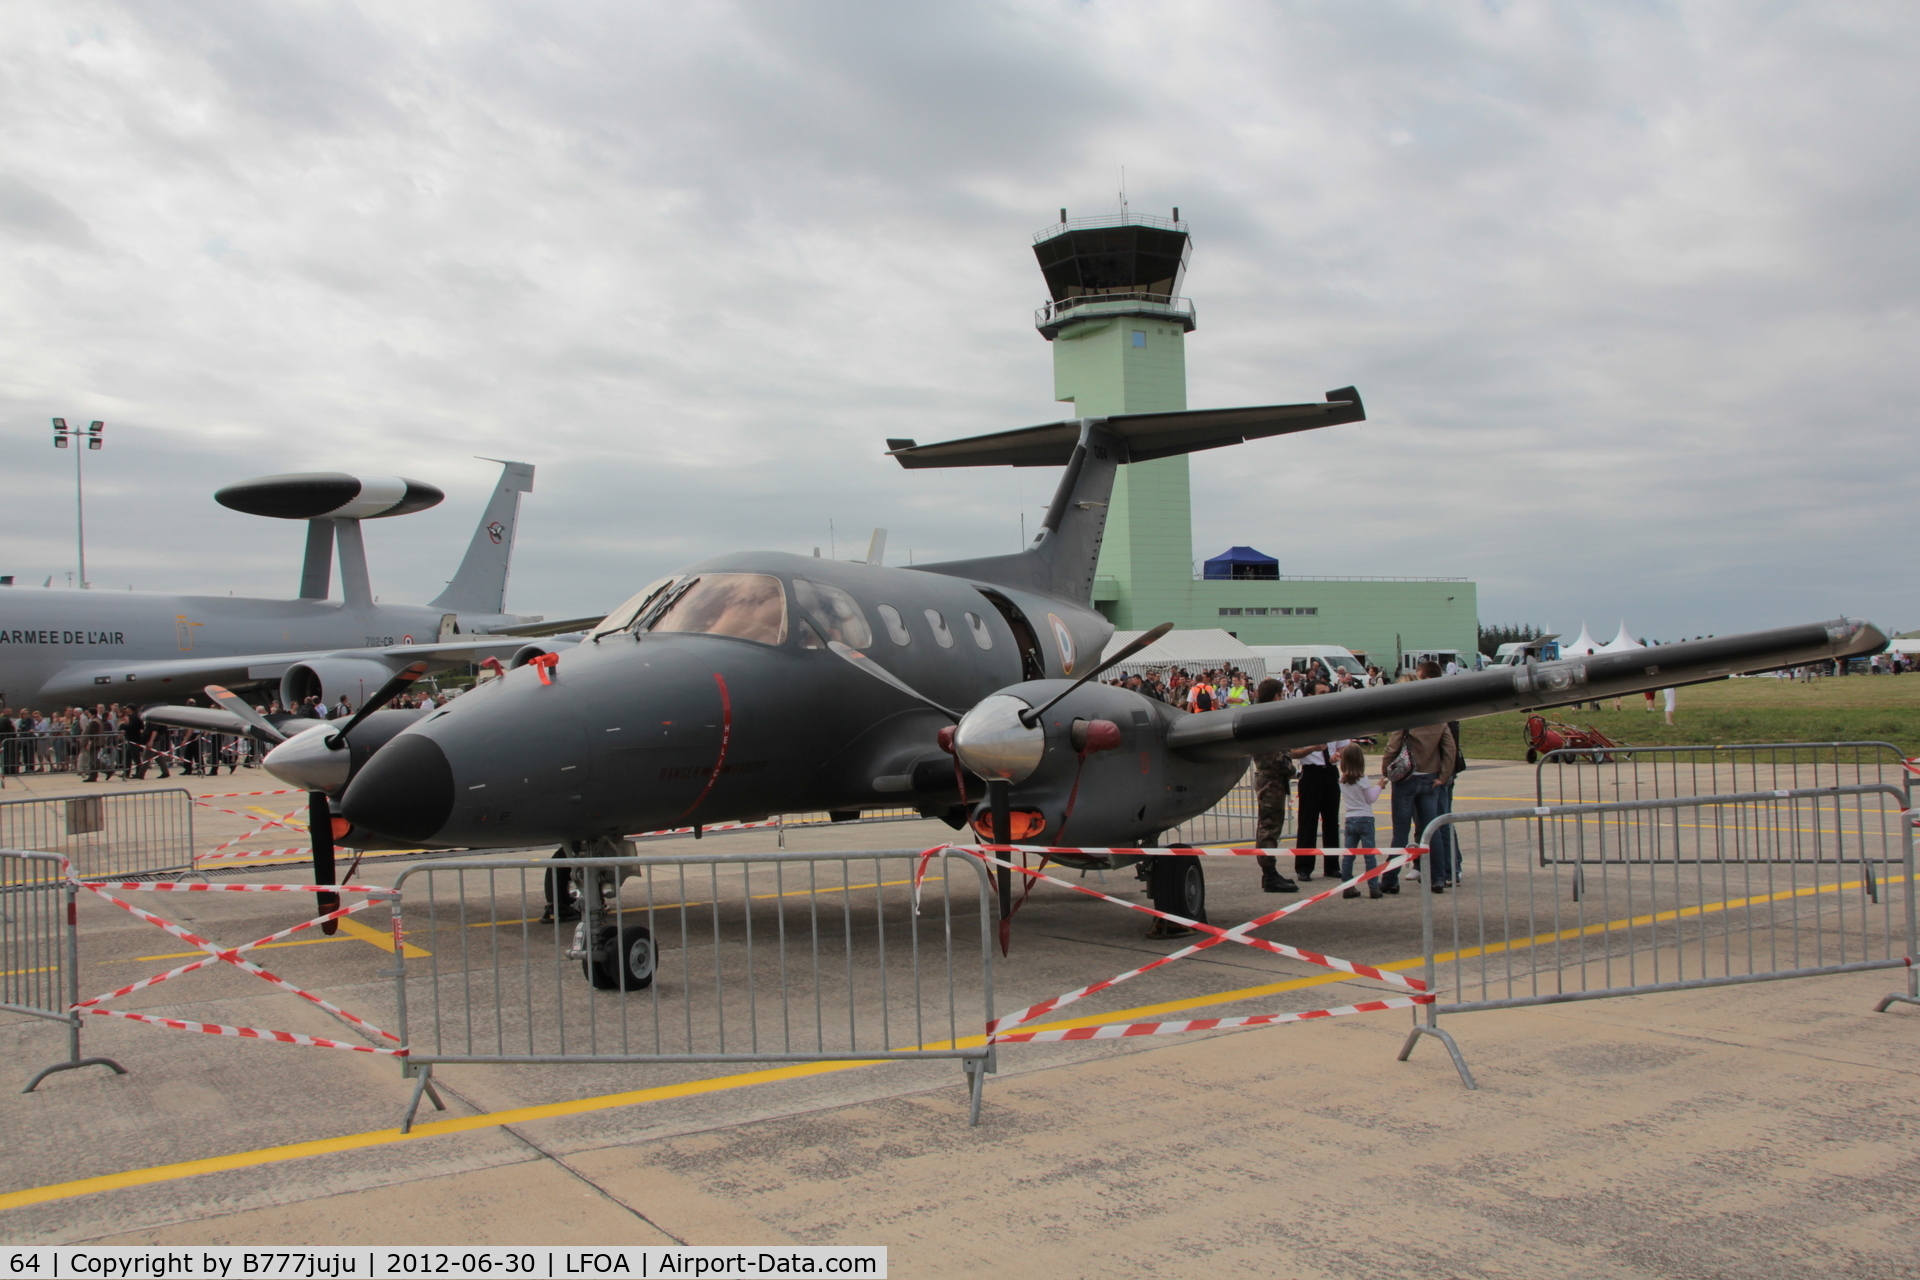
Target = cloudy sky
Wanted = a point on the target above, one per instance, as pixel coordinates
(1629, 288)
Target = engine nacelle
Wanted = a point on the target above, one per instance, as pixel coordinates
(357, 678)
(1094, 772)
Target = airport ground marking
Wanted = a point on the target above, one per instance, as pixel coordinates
(694, 1088)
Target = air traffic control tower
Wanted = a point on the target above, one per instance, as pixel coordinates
(1118, 326)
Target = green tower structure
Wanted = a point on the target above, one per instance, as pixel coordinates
(1118, 326)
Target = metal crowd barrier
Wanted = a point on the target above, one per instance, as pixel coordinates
(1653, 773)
(40, 950)
(110, 835)
(1583, 902)
(750, 957)
(1232, 821)
(111, 753)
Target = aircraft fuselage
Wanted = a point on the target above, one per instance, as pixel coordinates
(641, 731)
(73, 647)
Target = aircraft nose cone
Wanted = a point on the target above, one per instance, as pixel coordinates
(307, 762)
(405, 790)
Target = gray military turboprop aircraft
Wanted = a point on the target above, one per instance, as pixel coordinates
(761, 683)
(62, 647)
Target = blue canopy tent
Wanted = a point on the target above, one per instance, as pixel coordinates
(1241, 562)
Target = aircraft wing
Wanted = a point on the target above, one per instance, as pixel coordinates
(545, 628)
(157, 681)
(1147, 435)
(471, 647)
(1299, 722)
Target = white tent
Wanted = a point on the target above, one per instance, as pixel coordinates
(1622, 642)
(1196, 650)
(1585, 647)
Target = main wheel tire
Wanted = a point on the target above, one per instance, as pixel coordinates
(1178, 886)
(620, 958)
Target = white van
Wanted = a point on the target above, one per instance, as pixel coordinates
(1324, 659)
(1410, 659)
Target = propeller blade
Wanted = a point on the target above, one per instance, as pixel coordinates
(886, 677)
(320, 833)
(1145, 638)
(382, 696)
(175, 716)
(262, 727)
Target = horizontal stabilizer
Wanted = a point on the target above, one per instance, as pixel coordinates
(1146, 436)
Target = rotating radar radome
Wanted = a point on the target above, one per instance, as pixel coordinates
(335, 495)
(995, 741)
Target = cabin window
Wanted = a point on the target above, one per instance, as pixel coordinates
(941, 636)
(623, 617)
(896, 625)
(837, 614)
(749, 606)
(981, 636)
(809, 638)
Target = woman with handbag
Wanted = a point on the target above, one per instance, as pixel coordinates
(1421, 762)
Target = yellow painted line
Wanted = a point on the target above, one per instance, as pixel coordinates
(375, 937)
(8, 973)
(190, 955)
(797, 1071)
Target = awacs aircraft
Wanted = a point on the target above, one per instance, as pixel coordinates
(80, 647)
(760, 683)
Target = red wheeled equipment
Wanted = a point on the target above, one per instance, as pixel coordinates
(1544, 735)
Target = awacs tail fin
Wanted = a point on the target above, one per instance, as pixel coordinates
(480, 585)
(1061, 561)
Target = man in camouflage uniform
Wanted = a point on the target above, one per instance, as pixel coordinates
(1272, 781)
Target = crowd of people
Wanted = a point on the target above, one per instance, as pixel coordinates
(114, 740)
(1220, 687)
(1328, 782)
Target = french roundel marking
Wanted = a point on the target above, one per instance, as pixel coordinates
(1064, 639)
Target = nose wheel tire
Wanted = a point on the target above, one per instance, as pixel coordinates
(620, 959)
(1178, 886)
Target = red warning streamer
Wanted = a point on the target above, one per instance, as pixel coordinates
(1241, 934)
(234, 957)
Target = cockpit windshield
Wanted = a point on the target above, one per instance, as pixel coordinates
(751, 606)
(622, 618)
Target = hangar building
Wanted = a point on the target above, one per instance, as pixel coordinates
(1118, 326)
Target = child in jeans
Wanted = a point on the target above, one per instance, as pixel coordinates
(1357, 795)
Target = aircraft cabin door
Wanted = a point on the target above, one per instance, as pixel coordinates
(449, 627)
(1033, 663)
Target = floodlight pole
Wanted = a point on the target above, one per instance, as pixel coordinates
(63, 435)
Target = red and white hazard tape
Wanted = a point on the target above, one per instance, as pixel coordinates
(233, 956)
(1395, 859)
(219, 852)
(235, 813)
(183, 886)
(248, 1033)
(239, 854)
(1127, 1030)
(235, 795)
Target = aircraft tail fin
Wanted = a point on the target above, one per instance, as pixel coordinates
(480, 584)
(1062, 559)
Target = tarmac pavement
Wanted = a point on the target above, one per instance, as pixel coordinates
(1754, 1131)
